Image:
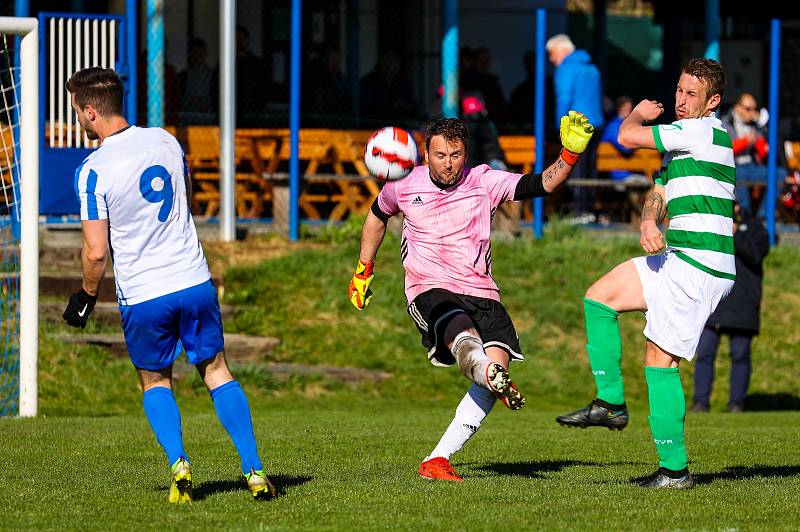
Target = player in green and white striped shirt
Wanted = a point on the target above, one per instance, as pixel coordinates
(678, 288)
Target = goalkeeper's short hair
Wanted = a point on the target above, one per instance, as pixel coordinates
(450, 128)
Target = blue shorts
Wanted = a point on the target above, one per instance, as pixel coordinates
(152, 328)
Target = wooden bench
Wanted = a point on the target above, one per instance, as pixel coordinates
(644, 162)
(202, 156)
(519, 151)
(346, 188)
(335, 182)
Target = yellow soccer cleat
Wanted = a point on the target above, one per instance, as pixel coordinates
(180, 486)
(260, 486)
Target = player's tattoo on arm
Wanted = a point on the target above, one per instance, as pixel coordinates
(654, 207)
(554, 176)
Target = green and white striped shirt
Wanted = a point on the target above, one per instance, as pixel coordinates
(700, 177)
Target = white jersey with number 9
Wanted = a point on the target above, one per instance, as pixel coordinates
(137, 181)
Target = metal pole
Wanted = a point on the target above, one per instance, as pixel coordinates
(538, 117)
(155, 63)
(131, 19)
(772, 158)
(29, 243)
(712, 29)
(450, 59)
(294, 121)
(227, 118)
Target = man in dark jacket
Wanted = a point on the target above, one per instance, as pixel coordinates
(737, 316)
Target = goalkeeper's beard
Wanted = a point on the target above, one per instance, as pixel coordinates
(446, 179)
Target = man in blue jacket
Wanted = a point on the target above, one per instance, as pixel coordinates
(577, 86)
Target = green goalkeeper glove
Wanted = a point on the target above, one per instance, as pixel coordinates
(576, 132)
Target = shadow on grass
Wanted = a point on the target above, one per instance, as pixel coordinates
(748, 472)
(533, 469)
(771, 401)
(281, 482)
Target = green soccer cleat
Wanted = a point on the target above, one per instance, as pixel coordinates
(260, 486)
(180, 485)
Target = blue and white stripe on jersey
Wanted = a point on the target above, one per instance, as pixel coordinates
(91, 199)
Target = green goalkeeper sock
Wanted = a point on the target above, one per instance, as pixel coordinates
(604, 347)
(667, 413)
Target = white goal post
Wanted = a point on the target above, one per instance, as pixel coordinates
(27, 29)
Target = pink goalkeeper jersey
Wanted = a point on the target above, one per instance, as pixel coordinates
(446, 233)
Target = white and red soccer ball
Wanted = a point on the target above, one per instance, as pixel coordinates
(390, 153)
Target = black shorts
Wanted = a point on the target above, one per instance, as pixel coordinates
(433, 310)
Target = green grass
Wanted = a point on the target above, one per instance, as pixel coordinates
(346, 466)
(346, 454)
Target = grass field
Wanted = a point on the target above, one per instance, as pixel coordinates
(347, 466)
(345, 455)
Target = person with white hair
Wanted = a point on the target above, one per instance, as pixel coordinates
(577, 86)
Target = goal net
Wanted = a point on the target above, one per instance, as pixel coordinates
(18, 215)
(9, 228)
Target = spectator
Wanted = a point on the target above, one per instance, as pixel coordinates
(737, 316)
(386, 93)
(468, 78)
(611, 131)
(170, 86)
(251, 82)
(489, 86)
(197, 87)
(329, 100)
(749, 146)
(483, 146)
(522, 97)
(577, 87)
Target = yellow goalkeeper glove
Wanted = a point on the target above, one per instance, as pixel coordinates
(576, 132)
(359, 291)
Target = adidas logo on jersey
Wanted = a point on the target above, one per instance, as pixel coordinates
(417, 201)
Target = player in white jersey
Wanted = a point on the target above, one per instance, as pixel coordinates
(446, 253)
(680, 287)
(134, 193)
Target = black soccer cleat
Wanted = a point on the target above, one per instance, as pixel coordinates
(596, 415)
(661, 480)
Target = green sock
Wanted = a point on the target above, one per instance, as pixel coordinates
(604, 346)
(667, 412)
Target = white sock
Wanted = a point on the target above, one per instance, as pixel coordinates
(471, 411)
(471, 358)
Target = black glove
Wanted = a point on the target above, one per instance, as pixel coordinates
(79, 307)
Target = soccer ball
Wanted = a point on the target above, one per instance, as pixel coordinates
(390, 153)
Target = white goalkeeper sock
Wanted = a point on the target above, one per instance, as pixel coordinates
(471, 358)
(470, 413)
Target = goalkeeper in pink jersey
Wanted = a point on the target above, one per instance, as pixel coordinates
(446, 252)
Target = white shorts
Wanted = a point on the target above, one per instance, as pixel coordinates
(679, 299)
